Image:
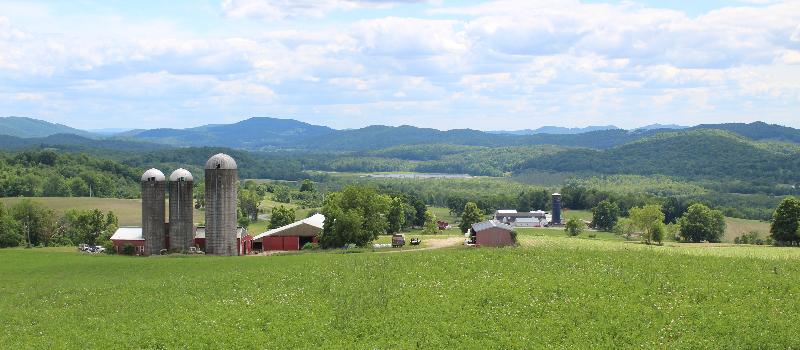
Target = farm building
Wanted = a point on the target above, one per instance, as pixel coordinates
(128, 235)
(244, 242)
(522, 219)
(492, 233)
(292, 236)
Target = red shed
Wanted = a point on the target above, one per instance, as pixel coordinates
(492, 233)
(292, 236)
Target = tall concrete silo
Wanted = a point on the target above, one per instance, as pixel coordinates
(153, 193)
(181, 223)
(221, 177)
(556, 209)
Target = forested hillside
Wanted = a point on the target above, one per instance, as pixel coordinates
(57, 174)
(689, 154)
(29, 127)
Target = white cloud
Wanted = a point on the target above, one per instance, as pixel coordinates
(271, 10)
(539, 60)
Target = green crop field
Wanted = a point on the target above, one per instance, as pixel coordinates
(553, 291)
(129, 211)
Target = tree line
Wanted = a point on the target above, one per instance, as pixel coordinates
(28, 223)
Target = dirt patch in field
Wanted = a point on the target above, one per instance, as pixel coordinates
(432, 244)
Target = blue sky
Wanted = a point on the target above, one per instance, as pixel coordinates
(505, 64)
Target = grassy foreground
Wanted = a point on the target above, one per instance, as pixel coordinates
(551, 292)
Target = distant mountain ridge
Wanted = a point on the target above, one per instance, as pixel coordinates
(267, 134)
(29, 127)
(556, 130)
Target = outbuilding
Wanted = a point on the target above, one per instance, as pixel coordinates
(492, 233)
(292, 236)
(128, 236)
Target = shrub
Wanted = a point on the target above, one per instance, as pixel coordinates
(129, 249)
(592, 235)
(751, 237)
(310, 246)
(574, 227)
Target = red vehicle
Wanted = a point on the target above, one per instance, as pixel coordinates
(398, 240)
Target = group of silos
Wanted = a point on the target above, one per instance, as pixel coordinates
(220, 202)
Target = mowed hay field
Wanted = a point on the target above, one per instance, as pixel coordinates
(129, 211)
(550, 292)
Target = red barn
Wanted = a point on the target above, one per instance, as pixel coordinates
(128, 236)
(492, 233)
(243, 240)
(292, 236)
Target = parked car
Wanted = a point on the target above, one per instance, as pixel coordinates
(398, 240)
(416, 241)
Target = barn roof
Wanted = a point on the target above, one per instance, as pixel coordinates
(481, 226)
(128, 234)
(307, 227)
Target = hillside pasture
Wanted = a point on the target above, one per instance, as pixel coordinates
(129, 211)
(551, 292)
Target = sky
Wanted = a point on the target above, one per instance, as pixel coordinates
(490, 65)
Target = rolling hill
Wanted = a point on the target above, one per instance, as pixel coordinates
(253, 134)
(29, 127)
(698, 153)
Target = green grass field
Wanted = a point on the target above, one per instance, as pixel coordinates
(553, 291)
(129, 211)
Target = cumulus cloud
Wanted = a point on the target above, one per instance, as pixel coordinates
(270, 10)
(525, 61)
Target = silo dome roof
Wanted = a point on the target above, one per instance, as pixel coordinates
(153, 173)
(221, 161)
(181, 173)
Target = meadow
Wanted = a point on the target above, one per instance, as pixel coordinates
(553, 291)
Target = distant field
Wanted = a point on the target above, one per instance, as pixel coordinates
(129, 211)
(737, 227)
(552, 292)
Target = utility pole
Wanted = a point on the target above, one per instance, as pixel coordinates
(28, 227)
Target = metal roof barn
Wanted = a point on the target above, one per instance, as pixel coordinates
(292, 236)
(492, 233)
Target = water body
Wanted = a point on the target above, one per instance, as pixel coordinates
(419, 176)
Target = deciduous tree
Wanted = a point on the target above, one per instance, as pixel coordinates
(281, 216)
(785, 221)
(649, 219)
(469, 216)
(700, 223)
(605, 215)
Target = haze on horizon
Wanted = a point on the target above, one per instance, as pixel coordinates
(489, 65)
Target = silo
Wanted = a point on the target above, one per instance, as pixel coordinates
(181, 224)
(221, 177)
(153, 211)
(556, 209)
